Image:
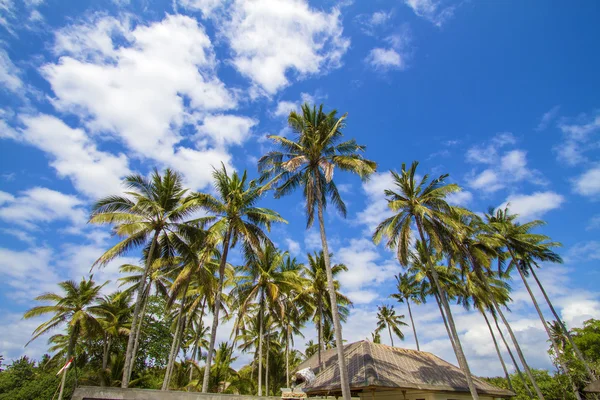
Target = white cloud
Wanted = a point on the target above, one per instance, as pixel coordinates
(588, 184)
(362, 296)
(271, 38)
(226, 129)
(584, 251)
(533, 206)
(365, 266)
(9, 73)
(312, 240)
(142, 85)
(27, 272)
(547, 118)
(377, 207)
(285, 107)
(393, 57)
(578, 139)
(431, 10)
(462, 198)
(370, 23)
(42, 205)
(504, 168)
(385, 58)
(205, 6)
(593, 224)
(74, 155)
(293, 246)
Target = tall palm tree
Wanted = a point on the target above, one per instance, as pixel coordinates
(309, 161)
(314, 295)
(423, 203)
(265, 281)
(114, 316)
(387, 318)
(151, 213)
(409, 289)
(74, 308)
(233, 218)
(523, 248)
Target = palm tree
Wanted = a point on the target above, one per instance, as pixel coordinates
(375, 337)
(424, 204)
(114, 316)
(409, 289)
(265, 281)
(309, 161)
(387, 318)
(74, 308)
(314, 295)
(234, 218)
(150, 214)
(523, 248)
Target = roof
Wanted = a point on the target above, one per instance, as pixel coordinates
(378, 366)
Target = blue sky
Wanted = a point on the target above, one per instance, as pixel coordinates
(503, 96)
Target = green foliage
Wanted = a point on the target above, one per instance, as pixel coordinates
(156, 336)
(24, 380)
(553, 387)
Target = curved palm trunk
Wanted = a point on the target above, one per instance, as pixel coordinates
(512, 357)
(70, 349)
(138, 329)
(390, 333)
(213, 328)
(131, 343)
(497, 350)
(450, 336)
(460, 355)
(564, 368)
(197, 354)
(413, 324)
(564, 328)
(337, 326)
(260, 345)
(519, 352)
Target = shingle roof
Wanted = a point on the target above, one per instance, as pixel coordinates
(375, 366)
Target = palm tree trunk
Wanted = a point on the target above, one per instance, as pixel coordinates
(176, 339)
(197, 354)
(260, 343)
(138, 328)
(320, 332)
(129, 357)
(287, 357)
(497, 350)
(460, 355)
(564, 328)
(267, 366)
(519, 352)
(69, 355)
(213, 328)
(541, 315)
(390, 332)
(450, 336)
(413, 324)
(344, 382)
(510, 353)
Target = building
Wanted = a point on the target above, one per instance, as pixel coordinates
(381, 372)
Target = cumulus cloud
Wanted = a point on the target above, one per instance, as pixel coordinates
(393, 57)
(41, 205)
(285, 107)
(377, 209)
(503, 167)
(74, 155)
(588, 183)
(533, 206)
(462, 198)
(273, 39)
(370, 23)
(293, 246)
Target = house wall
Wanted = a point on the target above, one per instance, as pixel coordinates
(417, 395)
